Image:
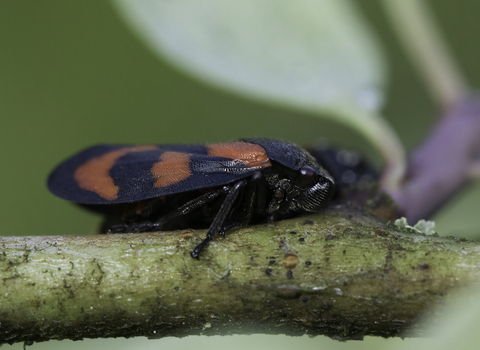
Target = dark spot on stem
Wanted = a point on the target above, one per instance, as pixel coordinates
(289, 274)
(268, 272)
(423, 267)
(293, 233)
(308, 263)
(271, 262)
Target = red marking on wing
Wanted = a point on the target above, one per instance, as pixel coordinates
(172, 168)
(94, 175)
(254, 156)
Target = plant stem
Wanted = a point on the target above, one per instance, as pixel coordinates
(416, 28)
(443, 163)
(341, 273)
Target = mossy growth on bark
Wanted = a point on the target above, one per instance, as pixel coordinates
(343, 272)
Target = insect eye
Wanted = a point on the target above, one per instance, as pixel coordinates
(307, 175)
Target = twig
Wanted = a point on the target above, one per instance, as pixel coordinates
(448, 157)
(341, 273)
(443, 164)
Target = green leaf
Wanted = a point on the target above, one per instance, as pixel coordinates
(300, 52)
(317, 56)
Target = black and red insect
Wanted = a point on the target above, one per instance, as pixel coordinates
(220, 185)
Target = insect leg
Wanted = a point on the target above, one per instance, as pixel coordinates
(183, 210)
(261, 202)
(190, 206)
(249, 203)
(221, 216)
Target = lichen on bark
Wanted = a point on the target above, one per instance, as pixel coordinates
(342, 272)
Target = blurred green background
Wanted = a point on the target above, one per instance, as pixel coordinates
(72, 74)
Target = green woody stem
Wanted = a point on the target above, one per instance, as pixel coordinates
(339, 273)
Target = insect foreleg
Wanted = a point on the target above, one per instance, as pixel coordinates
(222, 214)
(249, 203)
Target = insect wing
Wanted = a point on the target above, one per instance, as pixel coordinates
(109, 174)
(285, 153)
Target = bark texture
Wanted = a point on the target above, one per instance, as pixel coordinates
(343, 273)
